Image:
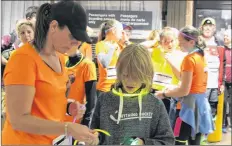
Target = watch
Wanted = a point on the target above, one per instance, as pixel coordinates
(67, 109)
(164, 95)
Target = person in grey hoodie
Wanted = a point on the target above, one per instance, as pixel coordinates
(129, 110)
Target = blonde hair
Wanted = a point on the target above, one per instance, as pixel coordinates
(136, 61)
(22, 22)
(168, 31)
(153, 35)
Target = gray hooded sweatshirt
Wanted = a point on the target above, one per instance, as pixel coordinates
(132, 115)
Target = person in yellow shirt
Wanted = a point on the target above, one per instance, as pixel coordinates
(164, 76)
(107, 52)
(152, 41)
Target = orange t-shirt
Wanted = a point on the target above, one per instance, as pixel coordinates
(86, 50)
(196, 63)
(83, 71)
(25, 67)
(107, 76)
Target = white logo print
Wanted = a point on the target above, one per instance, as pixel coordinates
(130, 116)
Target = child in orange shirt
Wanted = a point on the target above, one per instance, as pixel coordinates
(83, 87)
(191, 122)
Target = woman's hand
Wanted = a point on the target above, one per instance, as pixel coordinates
(83, 133)
(77, 110)
(222, 88)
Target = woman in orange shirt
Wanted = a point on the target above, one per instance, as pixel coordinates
(195, 116)
(35, 80)
(25, 31)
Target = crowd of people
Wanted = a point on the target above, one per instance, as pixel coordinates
(162, 91)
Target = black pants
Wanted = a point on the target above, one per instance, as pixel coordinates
(185, 135)
(167, 104)
(212, 95)
(227, 104)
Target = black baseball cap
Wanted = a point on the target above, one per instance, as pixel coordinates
(73, 15)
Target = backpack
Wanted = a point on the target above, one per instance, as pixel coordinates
(7, 52)
(7, 45)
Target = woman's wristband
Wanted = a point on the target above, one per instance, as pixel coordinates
(67, 109)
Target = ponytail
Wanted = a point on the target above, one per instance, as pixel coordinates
(102, 34)
(106, 27)
(43, 19)
(201, 45)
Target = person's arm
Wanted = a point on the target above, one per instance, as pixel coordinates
(224, 68)
(90, 92)
(162, 133)
(3, 60)
(175, 60)
(90, 77)
(221, 78)
(184, 88)
(186, 81)
(20, 91)
(149, 44)
(20, 99)
(175, 67)
(105, 58)
(175, 71)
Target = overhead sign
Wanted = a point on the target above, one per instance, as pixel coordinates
(139, 20)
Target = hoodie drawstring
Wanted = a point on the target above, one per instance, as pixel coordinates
(120, 105)
(140, 106)
(121, 95)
